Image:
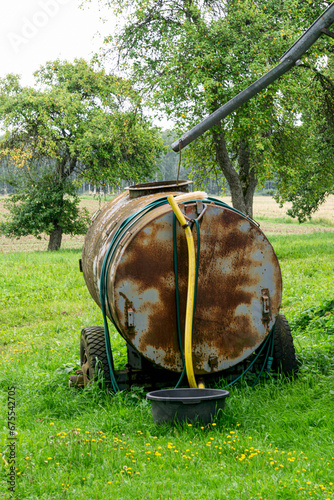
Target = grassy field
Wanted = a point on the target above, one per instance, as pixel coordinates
(272, 218)
(275, 441)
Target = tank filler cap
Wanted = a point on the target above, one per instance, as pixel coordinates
(148, 188)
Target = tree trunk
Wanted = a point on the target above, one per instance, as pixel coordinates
(55, 238)
(243, 183)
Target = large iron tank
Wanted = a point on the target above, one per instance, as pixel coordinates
(239, 279)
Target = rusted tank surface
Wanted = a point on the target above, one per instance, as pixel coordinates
(239, 281)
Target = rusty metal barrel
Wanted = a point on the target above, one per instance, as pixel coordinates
(239, 280)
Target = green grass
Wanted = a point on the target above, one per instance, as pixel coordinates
(318, 221)
(271, 442)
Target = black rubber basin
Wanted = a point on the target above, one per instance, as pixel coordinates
(186, 405)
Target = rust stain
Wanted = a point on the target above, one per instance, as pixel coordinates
(236, 263)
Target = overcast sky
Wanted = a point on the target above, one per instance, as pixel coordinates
(35, 31)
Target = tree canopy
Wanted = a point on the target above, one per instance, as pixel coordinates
(76, 119)
(191, 56)
(306, 172)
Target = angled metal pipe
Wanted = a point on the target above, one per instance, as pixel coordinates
(288, 60)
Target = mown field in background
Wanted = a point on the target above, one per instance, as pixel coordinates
(274, 441)
(272, 218)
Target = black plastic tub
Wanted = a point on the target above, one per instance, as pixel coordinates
(186, 405)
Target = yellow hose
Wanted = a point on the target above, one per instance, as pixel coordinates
(190, 293)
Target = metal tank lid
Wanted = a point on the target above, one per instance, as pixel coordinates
(148, 188)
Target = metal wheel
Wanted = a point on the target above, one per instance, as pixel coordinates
(93, 355)
(284, 350)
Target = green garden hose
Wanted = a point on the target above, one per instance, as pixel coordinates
(123, 228)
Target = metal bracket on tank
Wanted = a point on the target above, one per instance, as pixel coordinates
(131, 318)
(265, 304)
(200, 209)
(199, 206)
(125, 238)
(213, 362)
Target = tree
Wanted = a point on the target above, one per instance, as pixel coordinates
(76, 120)
(192, 56)
(311, 179)
(43, 204)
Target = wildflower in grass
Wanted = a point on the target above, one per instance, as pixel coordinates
(51, 423)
